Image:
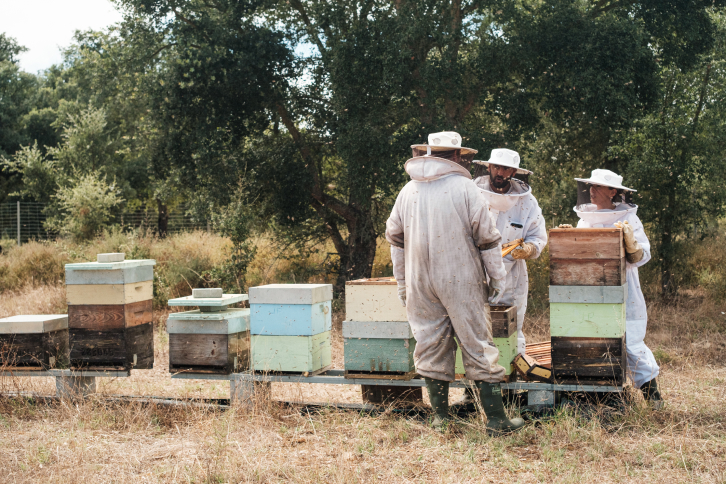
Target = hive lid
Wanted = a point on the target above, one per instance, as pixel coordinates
(291, 293)
(196, 314)
(376, 281)
(109, 266)
(215, 302)
(33, 323)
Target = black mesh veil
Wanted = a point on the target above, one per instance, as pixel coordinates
(483, 170)
(583, 195)
(464, 160)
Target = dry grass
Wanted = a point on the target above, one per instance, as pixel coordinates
(101, 440)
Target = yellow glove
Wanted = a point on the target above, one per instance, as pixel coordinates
(564, 226)
(527, 251)
(631, 245)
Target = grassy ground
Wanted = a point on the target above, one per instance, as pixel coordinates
(98, 440)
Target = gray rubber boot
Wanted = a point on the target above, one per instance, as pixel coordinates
(491, 400)
(439, 397)
(651, 394)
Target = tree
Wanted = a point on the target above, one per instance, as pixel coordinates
(675, 157)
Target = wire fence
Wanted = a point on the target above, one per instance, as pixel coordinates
(24, 221)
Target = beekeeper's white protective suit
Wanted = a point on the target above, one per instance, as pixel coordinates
(517, 215)
(441, 221)
(642, 366)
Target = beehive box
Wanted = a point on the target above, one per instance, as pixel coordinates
(378, 347)
(601, 361)
(373, 300)
(110, 313)
(34, 341)
(588, 297)
(587, 257)
(290, 327)
(209, 342)
(504, 336)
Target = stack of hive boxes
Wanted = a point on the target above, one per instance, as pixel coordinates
(212, 339)
(504, 334)
(110, 313)
(290, 327)
(377, 336)
(37, 341)
(588, 293)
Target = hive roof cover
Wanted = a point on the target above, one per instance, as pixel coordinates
(109, 266)
(33, 323)
(225, 300)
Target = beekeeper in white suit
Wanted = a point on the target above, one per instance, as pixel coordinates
(517, 215)
(443, 245)
(603, 201)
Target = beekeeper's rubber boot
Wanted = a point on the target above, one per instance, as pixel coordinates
(651, 394)
(439, 397)
(491, 401)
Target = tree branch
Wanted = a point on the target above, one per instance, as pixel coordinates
(297, 5)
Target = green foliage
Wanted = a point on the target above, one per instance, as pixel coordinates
(37, 171)
(86, 207)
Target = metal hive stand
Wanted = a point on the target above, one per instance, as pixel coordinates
(70, 383)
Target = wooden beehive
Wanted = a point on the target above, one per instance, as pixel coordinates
(209, 342)
(504, 336)
(588, 297)
(110, 313)
(372, 347)
(34, 341)
(373, 300)
(587, 257)
(290, 327)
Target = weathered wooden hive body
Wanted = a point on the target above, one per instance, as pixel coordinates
(290, 327)
(504, 334)
(213, 339)
(34, 341)
(377, 336)
(110, 313)
(588, 294)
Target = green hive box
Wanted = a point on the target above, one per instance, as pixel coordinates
(577, 320)
(291, 353)
(379, 355)
(507, 351)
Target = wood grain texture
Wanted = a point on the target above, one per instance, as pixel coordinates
(373, 302)
(592, 272)
(589, 359)
(377, 354)
(42, 350)
(110, 316)
(504, 321)
(587, 320)
(375, 281)
(586, 244)
(209, 353)
(113, 348)
(102, 294)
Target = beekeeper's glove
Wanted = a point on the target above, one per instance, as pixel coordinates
(527, 251)
(634, 251)
(496, 289)
(402, 293)
(564, 226)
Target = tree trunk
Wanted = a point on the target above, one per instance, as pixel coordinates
(667, 251)
(163, 218)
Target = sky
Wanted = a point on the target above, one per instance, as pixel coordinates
(44, 26)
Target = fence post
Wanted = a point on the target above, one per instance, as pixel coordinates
(18, 223)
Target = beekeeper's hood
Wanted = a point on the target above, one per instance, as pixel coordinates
(502, 202)
(589, 212)
(443, 155)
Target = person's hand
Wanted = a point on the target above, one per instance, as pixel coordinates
(631, 245)
(525, 252)
(564, 226)
(402, 293)
(496, 289)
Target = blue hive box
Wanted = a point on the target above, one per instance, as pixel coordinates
(290, 309)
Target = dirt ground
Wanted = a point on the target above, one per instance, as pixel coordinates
(102, 440)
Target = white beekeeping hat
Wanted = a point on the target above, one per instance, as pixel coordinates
(504, 157)
(605, 178)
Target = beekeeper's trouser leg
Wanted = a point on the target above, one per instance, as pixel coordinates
(434, 327)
